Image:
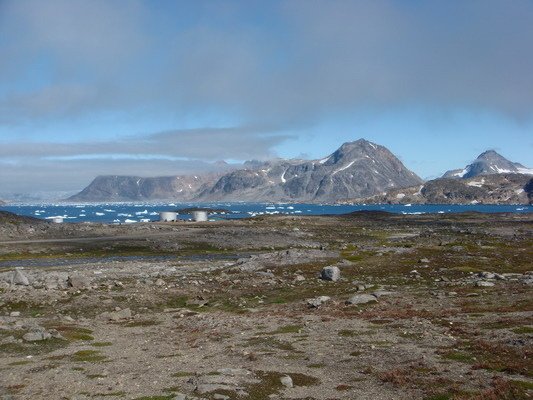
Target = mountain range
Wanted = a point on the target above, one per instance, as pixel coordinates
(359, 171)
(490, 179)
(356, 169)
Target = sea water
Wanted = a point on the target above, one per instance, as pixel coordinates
(146, 212)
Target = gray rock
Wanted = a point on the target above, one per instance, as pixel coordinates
(37, 335)
(218, 396)
(179, 396)
(160, 282)
(286, 381)
(78, 281)
(14, 314)
(317, 301)
(115, 315)
(484, 284)
(379, 293)
(19, 278)
(487, 275)
(331, 273)
(361, 299)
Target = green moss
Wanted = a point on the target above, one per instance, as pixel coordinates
(73, 333)
(523, 330)
(182, 374)
(317, 365)
(458, 356)
(22, 362)
(88, 356)
(141, 323)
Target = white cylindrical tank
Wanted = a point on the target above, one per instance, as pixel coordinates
(168, 216)
(199, 216)
(57, 220)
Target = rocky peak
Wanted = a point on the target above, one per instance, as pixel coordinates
(488, 163)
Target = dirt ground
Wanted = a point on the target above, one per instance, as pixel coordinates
(426, 307)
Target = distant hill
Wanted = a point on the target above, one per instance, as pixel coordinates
(135, 188)
(488, 163)
(358, 168)
(485, 189)
(7, 217)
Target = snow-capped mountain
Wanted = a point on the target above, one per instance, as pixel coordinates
(359, 168)
(356, 169)
(488, 163)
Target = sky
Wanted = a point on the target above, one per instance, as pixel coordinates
(152, 88)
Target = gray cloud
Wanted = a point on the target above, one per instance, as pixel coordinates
(73, 175)
(208, 144)
(321, 57)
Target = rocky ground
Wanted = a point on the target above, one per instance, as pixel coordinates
(366, 306)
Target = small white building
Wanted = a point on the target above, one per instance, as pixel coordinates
(168, 216)
(199, 216)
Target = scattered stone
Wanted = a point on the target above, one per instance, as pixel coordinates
(317, 301)
(286, 381)
(78, 281)
(299, 278)
(423, 261)
(218, 396)
(179, 396)
(487, 275)
(379, 293)
(484, 284)
(14, 314)
(19, 278)
(361, 299)
(331, 273)
(36, 335)
(160, 282)
(116, 315)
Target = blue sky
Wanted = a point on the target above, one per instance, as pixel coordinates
(168, 87)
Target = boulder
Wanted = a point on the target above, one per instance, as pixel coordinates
(361, 299)
(78, 281)
(19, 278)
(331, 273)
(116, 315)
(484, 284)
(286, 381)
(317, 301)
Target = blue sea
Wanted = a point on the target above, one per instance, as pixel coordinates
(146, 212)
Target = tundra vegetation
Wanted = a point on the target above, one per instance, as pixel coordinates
(411, 307)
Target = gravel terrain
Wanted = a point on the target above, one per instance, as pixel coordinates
(363, 306)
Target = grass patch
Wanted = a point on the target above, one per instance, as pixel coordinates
(182, 374)
(269, 343)
(73, 333)
(141, 323)
(21, 362)
(88, 356)
(523, 330)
